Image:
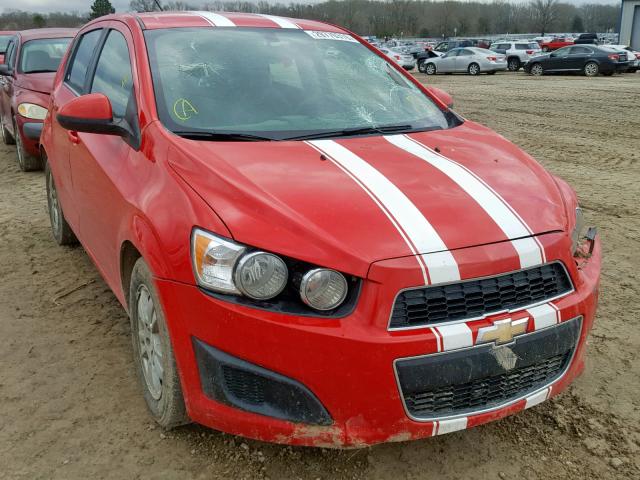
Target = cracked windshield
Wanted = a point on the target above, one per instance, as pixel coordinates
(280, 84)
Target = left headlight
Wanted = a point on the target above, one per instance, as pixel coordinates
(224, 266)
(578, 231)
(33, 111)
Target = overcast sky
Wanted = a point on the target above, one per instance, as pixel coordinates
(123, 5)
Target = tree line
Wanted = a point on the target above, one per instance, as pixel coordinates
(408, 18)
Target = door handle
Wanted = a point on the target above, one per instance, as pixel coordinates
(73, 137)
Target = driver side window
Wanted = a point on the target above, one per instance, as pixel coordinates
(113, 76)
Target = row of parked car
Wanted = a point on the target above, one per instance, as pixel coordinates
(537, 56)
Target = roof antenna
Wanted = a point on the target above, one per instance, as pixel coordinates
(159, 6)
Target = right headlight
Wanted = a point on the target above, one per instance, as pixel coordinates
(578, 231)
(222, 265)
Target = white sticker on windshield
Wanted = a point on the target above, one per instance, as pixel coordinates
(330, 36)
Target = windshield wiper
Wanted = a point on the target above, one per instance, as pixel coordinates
(225, 136)
(346, 132)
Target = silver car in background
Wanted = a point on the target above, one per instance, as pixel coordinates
(405, 60)
(471, 60)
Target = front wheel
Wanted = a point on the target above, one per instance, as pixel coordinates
(421, 64)
(536, 69)
(545, 49)
(474, 69)
(591, 69)
(152, 350)
(514, 64)
(26, 161)
(430, 69)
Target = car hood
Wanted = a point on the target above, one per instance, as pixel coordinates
(37, 82)
(291, 198)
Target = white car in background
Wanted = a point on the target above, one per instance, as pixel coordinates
(632, 55)
(471, 60)
(517, 52)
(405, 60)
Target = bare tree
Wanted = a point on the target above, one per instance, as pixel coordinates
(544, 13)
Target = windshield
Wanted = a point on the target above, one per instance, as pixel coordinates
(4, 41)
(279, 83)
(42, 55)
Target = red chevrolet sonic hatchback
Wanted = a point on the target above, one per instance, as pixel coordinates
(312, 247)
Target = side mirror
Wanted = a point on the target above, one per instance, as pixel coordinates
(91, 113)
(441, 95)
(5, 70)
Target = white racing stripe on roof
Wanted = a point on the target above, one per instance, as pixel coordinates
(420, 235)
(510, 223)
(216, 19)
(282, 22)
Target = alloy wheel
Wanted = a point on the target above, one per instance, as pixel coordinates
(537, 70)
(430, 69)
(514, 64)
(591, 69)
(474, 69)
(150, 345)
(54, 207)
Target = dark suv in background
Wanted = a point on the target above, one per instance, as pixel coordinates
(587, 39)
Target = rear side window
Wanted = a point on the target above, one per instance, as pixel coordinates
(465, 53)
(113, 73)
(522, 46)
(580, 50)
(77, 72)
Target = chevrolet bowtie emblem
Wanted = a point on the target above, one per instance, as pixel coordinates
(502, 331)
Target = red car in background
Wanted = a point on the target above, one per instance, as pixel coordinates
(32, 58)
(5, 36)
(312, 247)
(556, 43)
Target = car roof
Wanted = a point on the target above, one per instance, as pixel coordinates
(157, 20)
(37, 33)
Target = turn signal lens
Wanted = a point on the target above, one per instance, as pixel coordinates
(261, 275)
(578, 230)
(33, 111)
(323, 289)
(214, 259)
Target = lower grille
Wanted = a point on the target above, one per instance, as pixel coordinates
(467, 381)
(487, 392)
(479, 297)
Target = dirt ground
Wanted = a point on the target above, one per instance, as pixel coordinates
(70, 405)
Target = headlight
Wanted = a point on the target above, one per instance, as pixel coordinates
(578, 230)
(261, 275)
(323, 289)
(33, 111)
(214, 259)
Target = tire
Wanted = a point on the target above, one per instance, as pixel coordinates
(152, 351)
(7, 138)
(430, 69)
(536, 70)
(591, 69)
(473, 69)
(421, 65)
(545, 49)
(61, 230)
(513, 64)
(26, 161)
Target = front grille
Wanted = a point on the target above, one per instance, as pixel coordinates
(486, 376)
(486, 392)
(477, 298)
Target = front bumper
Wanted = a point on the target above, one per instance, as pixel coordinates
(348, 364)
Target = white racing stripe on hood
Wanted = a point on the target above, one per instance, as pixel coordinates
(282, 22)
(529, 250)
(414, 228)
(216, 20)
